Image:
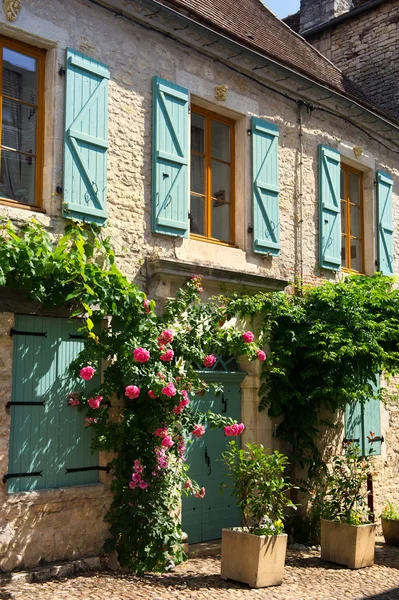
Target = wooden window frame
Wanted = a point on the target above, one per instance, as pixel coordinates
(40, 55)
(209, 117)
(347, 170)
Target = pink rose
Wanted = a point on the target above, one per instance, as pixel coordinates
(73, 402)
(146, 305)
(209, 361)
(261, 355)
(169, 354)
(188, 485)
(152, 395)
(132, 391)
(161, 432)
(141, 355)
(143, 485)
(200, 494)
(233, 430)
(167, 442)
(132, 485)
(95, 402)
(136, 477)
(138, 466)
(248, 336)
(198, 431)
(178, 409)
(166, 337)
(87, 373)
(89, 421)
(169, 390)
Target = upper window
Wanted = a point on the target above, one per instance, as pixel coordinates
(212, 176)
(22, 91)
(352, 219)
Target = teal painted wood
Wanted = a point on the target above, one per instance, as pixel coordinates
(372, 421)
(266, 210)
(354, 424)
(86, 139)
(170, 149)
(50, 438)
(203, 519)
(329, 208)
(385, 223)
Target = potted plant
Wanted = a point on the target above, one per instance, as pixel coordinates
(347, 535)
(390, 525)
(255, 554)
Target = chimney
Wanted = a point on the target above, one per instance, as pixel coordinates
(317, 12)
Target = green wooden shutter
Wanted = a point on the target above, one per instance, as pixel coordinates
(372, 421)
(170, 149)
(266, 210)
(52, 437)
(385, 223)
(329, 208)
(86, 139)
(354, 424)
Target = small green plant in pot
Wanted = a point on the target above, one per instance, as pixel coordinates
(390, 524)
(347, 535)
(255, 553)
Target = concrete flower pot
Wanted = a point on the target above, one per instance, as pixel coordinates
(390, 529)
(349, 545)
(257, 560)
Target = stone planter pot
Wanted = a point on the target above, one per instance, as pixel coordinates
(349, 545)
(257, 560)
(390, 529)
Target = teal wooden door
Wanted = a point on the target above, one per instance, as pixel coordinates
(204, 519)
(47, 436)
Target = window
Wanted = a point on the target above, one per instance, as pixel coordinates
(212, 176)
(22, 123)
(352, 255)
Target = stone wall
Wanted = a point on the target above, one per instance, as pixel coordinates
(366, 49)
(314, 13)
(58, 524)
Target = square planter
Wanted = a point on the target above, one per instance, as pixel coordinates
(349, 545)
(257, 560)
(390, 529)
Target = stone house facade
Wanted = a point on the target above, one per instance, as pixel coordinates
(182, 88)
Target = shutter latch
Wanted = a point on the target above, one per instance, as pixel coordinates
(250, 229)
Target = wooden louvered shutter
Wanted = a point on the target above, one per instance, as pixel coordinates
(372, 421)
(51, 437)
(385, 223)
(329, 208)
(266, 217)
(86, 139)
(170, 149)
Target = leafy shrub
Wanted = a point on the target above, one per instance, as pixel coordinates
(390, 512)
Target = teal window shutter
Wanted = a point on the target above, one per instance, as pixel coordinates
(266, 210)
(353, 424)
(385, 223)
(363, 420)
(86, 139)
(170, 147)
(329, 208)
(48, 436)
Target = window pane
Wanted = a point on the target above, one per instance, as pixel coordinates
(220, 181)
(355, 221)
(343, 251)
(19, 76)
(354, 188)
(343, 217)
(17, 177)
(356, 255)
(197, 215)
(197, 182)
(220, 141)
(19, 126)
(197, 133)
(221, 221)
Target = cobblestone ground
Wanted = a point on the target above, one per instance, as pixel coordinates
(306, 578)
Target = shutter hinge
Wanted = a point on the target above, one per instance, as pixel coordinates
(61, 71)
(376, 438)
(58, 189)
(351, 441)
(9, 404)
(79, 469)
(249, 132)
(14, 475)
(250, 229)
(34, 333)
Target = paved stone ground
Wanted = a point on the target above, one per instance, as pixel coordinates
(306, 578)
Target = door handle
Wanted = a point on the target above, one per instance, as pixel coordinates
(208, 461)
(224, 404)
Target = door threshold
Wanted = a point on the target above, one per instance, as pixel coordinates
(211, 548)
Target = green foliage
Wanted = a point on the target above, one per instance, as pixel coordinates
(340, 492)
(259, 486)
(390, 512)
(79, 269)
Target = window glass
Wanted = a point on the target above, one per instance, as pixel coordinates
(220, 181)
(197, 133)
(351, 219)
(20, 76)
(17, 177)
(221, 221)
(197, 215)
(197, 174)
(220, 141)
(354, 190)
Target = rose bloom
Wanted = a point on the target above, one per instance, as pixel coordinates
(132, 391)
(261, 355)
(188, 485)
(200, 494)
(141, 355)
(89, 421)
(166, 337)
(87, 373)
(169, 354)
(95, 402)
(152, 395)
(178, 409)
(73, 402)
(169, 390)
(136, 477)
(167, 442)
(132, 485)
(198, 431)
(233, 430)
(161, 432)
(248, 336)
(143, 485)
(209, 361)
(146, 305)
